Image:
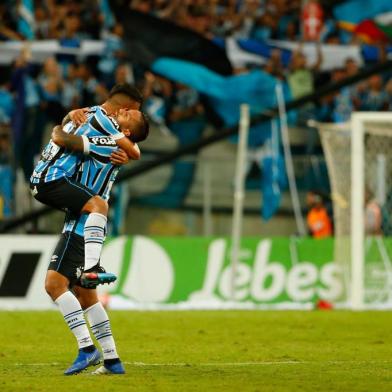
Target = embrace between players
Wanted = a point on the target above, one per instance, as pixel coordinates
(75, 174)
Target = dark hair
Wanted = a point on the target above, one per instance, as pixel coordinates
(127, 89)
(141, 131)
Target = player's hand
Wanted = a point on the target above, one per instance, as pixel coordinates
(57, 134)
(119, 157)
(78, 116)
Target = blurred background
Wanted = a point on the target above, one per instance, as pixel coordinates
(301, 66)
(60, 55)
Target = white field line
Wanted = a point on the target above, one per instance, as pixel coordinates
(224, 364)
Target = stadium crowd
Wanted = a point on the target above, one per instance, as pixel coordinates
(34, 96)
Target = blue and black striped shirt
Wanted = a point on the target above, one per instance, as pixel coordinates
(92, 169)
(56, 162)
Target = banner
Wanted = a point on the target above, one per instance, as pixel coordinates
(183, 273)
(147, 38)
(240, 51)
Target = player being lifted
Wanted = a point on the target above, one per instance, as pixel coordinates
(57, 179)
(92, 175)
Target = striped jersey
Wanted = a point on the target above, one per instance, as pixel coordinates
(97, 173)
(92, 169)
(56, 162)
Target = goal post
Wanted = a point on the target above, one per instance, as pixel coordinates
(359, 161)
(357, 203)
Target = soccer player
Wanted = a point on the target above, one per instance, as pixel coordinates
(97, 173)
(56, 178)
(68, 258)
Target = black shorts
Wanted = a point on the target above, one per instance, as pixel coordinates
(63, 194)
(68, 257)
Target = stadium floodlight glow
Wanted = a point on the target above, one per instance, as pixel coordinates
(360, 171)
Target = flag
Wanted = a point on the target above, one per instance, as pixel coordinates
(254, 87)
(147, 38)
(108, 18)
(273, 178)
(334, 56)
(355, 11)
(240, 57)
(370, 32)
(26, 19)
(264, 49)
(368, 20)
(225, 93)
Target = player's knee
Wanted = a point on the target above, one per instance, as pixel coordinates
(54, 287)
(97, 204)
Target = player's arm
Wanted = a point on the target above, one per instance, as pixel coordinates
(94, 146)
(77, 116)
(67, 140)
(130, 148)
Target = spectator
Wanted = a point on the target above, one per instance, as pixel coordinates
(6, 112)
(70, 38)
(51, 85)
(142, 6)
(318, 220)
(157, 92)
(342, 102)
(274, 65)
(8, 26)
(6, 101)
(266, 27)
(42, 23)
(93, 92)
(375, 98)
(26, 121)
(301, 81)
(373, 214)
(113, 52)
(388, 89)
(72, 88)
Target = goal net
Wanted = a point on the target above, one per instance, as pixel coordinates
(359, 161)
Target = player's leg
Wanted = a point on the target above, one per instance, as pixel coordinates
(94, 230)
(68, 194)
(100, 326)
(62, 272)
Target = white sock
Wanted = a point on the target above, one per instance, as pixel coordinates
(94, 235)
(74, 317)
(100, 326)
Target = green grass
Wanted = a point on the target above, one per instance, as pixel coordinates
(207, 351)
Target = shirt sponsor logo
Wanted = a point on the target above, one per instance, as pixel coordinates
(103, 141)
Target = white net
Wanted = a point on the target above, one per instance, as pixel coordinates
(377, 208)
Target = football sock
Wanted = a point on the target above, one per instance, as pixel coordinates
(74, 317)
(100, 326)
(94, 235)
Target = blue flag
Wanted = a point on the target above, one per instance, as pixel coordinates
(264, 49)
(355, 11)
(225, 93)
(108, 18)
(273, 179)
(26, 19)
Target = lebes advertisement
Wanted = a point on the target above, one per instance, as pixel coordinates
(165, 273)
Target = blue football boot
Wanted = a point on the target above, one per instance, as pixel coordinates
(83, 361)
(95, 276)
(112, 368)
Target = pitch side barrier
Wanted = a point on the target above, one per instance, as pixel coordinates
(268, 114)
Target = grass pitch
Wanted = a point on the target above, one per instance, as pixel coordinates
(207, 351)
